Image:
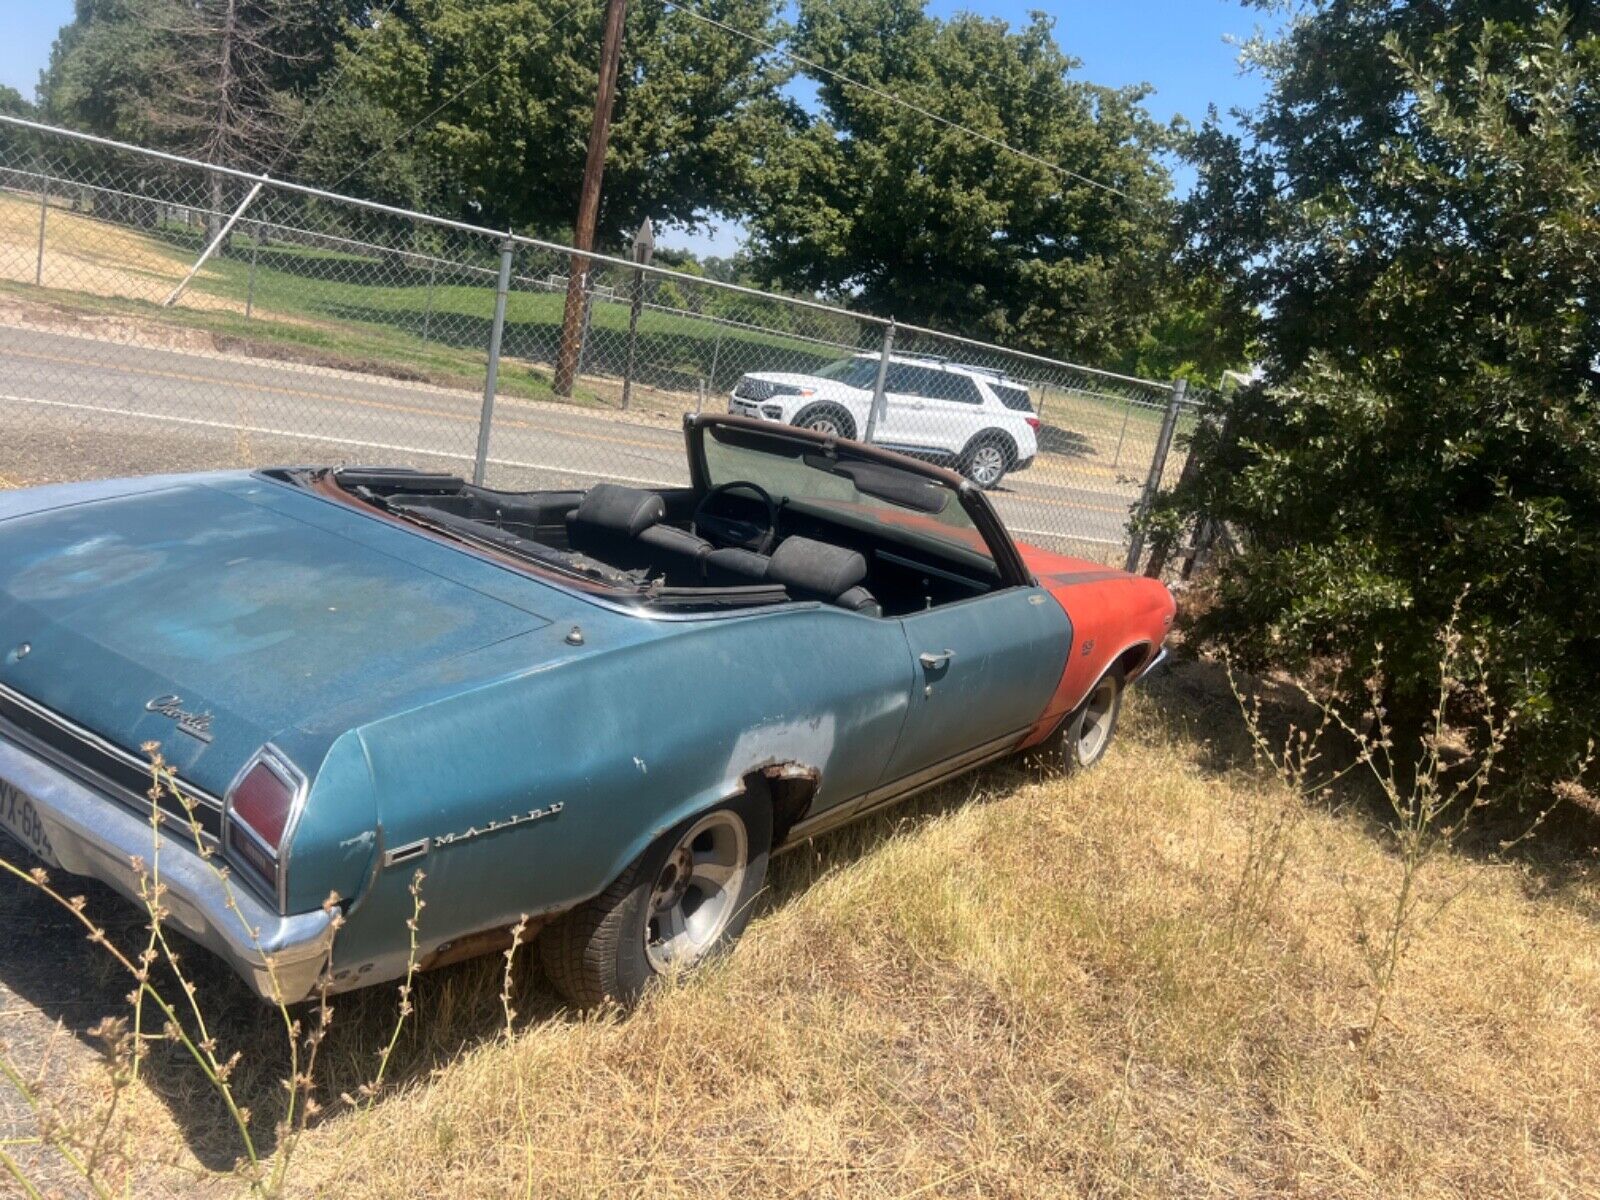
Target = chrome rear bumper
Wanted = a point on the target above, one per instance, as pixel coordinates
(280, 957)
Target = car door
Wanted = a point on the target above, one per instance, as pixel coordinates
(951, 412)
(914, 417)
(983, 670)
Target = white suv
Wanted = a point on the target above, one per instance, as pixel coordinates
(971, 418)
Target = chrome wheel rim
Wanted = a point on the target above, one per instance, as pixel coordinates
(825, 425)
(1094, 731)
(696, 892)
(988, 465)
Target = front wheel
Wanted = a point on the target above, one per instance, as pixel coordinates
(688, 896)
(987, 460)
(1089, 730)
(828, 419)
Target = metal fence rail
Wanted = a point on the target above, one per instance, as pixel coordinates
(162, 314)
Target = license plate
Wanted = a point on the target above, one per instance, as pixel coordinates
(20, 818)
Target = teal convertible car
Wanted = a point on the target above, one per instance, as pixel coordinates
(599, 710)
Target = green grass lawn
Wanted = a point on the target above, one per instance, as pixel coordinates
(395, 298)
(675, 350)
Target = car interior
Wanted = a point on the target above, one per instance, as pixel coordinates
(731, 545)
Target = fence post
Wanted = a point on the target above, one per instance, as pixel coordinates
(583, 330)
(875, 413)
(1158, 466)
(716, 353)
(633, 337)
(44, 207)
(250, 287)
(496, 332)
(1127, 411)
(427, 308)
(1161, 544)
(211, 248)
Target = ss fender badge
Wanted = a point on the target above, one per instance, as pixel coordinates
(196, 725)
(1088, 648)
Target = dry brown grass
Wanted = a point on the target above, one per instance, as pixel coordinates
(1023, 987)
(91, 256)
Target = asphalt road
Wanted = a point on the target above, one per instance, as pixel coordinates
(75, 406)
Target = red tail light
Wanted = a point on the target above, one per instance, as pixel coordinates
(1033, 422)
(261, 800)
(259, 810)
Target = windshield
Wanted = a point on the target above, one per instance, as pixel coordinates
(798, 476)
(853, 372)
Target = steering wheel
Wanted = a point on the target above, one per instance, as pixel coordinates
(732, 527)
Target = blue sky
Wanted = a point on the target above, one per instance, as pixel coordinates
(1177, 46)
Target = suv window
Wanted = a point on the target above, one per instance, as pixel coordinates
(962, 388)
(1013, 396)
(859, 372)
(907, 380)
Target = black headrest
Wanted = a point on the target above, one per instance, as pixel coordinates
(858, 599)
(816, 567)
(621, 509)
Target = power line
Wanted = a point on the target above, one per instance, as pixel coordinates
(442, 105)
(872, 89)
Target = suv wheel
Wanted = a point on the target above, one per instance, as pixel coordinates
(827, 418)
(987, 458)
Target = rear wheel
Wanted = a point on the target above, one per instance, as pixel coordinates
(1089, 730)
(827, 419)
(987, 458)
(688, 896)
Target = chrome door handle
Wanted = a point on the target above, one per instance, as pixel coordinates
(932, 660)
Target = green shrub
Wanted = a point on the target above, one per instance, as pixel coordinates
(1427, 428)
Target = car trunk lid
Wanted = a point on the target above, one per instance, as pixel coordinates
(211, 618)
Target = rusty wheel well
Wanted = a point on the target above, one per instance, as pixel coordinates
(1131, 659)
(790, 787)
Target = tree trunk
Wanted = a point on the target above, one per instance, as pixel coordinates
(222, 135)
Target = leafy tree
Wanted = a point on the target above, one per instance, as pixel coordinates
(1196, 333)
(110, 69)
(904, 214)
(1416, 211)
(12, 103)
(500, 95)
(219, 79)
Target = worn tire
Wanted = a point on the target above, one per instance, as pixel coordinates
(596, 952)
(975, 461)
(1108, 690)
(826, 414)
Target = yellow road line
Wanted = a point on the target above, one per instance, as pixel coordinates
(214, 380)
(1064, 463)
(1105, 508)
(420, 410)
(301, 435)
(330, 397)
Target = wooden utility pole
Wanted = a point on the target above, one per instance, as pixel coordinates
(589, 199)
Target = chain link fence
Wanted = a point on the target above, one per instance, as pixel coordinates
(158, 314)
